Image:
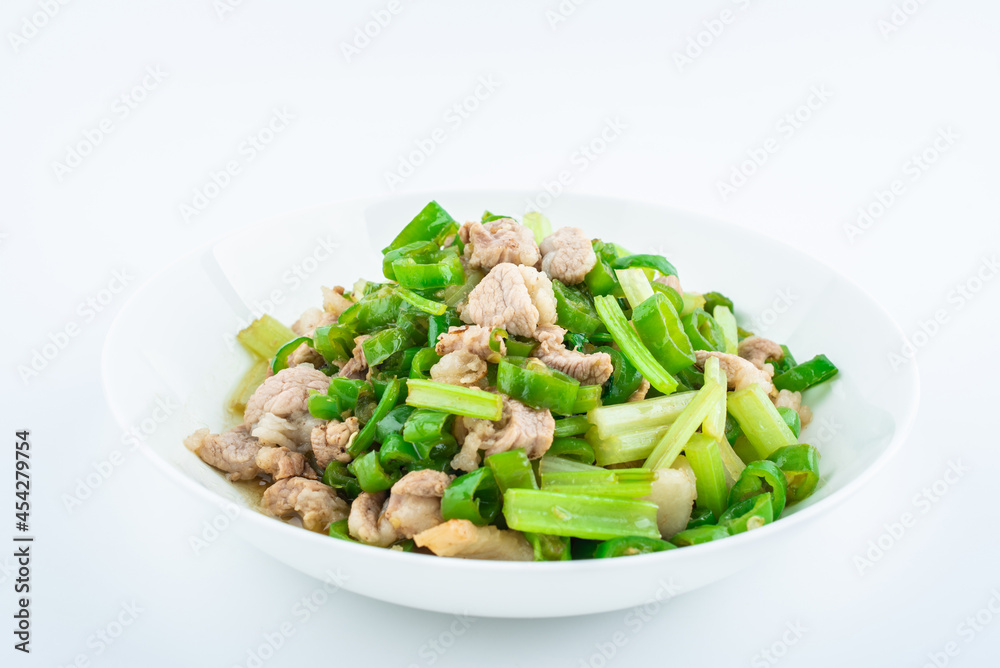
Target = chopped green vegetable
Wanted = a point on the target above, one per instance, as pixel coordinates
(631, 545)
(760, 420)
(626, 338)
(454, 399)
(580, 516)
(803, 376)
(264, 336)
(473, 496)
(531, 382)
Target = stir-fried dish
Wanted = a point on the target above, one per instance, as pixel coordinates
(509, 392)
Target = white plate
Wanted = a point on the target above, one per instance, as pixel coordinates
(174, 340)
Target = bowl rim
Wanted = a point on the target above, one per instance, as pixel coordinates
(281, 528)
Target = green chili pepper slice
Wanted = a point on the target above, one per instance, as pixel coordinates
(759, 477)
(337, 476)
(440, 324)
(333, 342)
(339, 530)
(381, 345)
(280, 360)
(432, 224)
(791, 418)
(396, 454)
(676, 300)
(512, 469)
(803, 376)
(700, 517)
(575, 449)
(628, 546)
(422, 363)
(534, 384)
(657, 262)
(713, 299)
(473, 496)
(370, 474)
(698, 535)
(703, 331)
(800, 464)
(660, 328)
(548, 547)
(323, 406)
(366, 436)
(393, 422)
(437, 271)
(416, 250)
(751, 513)
(625, 378)
(574, 311)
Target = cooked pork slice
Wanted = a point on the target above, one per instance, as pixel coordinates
(674, 495)
(593, 369)
(334, 301)
(758, 350)
(368, 523)
(501, 240)
(459, 368)
(285, 394)
(473, 339)
(306, 354)
(462, 538)
(793, 400)
(234, 451)
(330, 441)
(312, 318)
(519, 427)
(280, 463)
(640, 392)
(415, 501)
(514, 297)
(356, 367)
(568, 255)
(740, 373)
(317, 504)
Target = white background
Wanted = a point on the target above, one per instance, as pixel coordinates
(891, 90)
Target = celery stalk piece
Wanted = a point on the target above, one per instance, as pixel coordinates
(731, 461)
(592, 517)
(629, 446)
(680, 431)
(251, 380)
(619, 483)
(702, 454)
(426, 305)
(549, 464)
(715, 424)
(760, 421)
(538, 224)
(637, 415)
(727, 321)
(692, 300)
(632, 347)
(264, 336)
(453, 399)
(635, 285)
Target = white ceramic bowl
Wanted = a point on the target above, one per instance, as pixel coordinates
(174, 340)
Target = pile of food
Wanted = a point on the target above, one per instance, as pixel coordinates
(509, 392)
